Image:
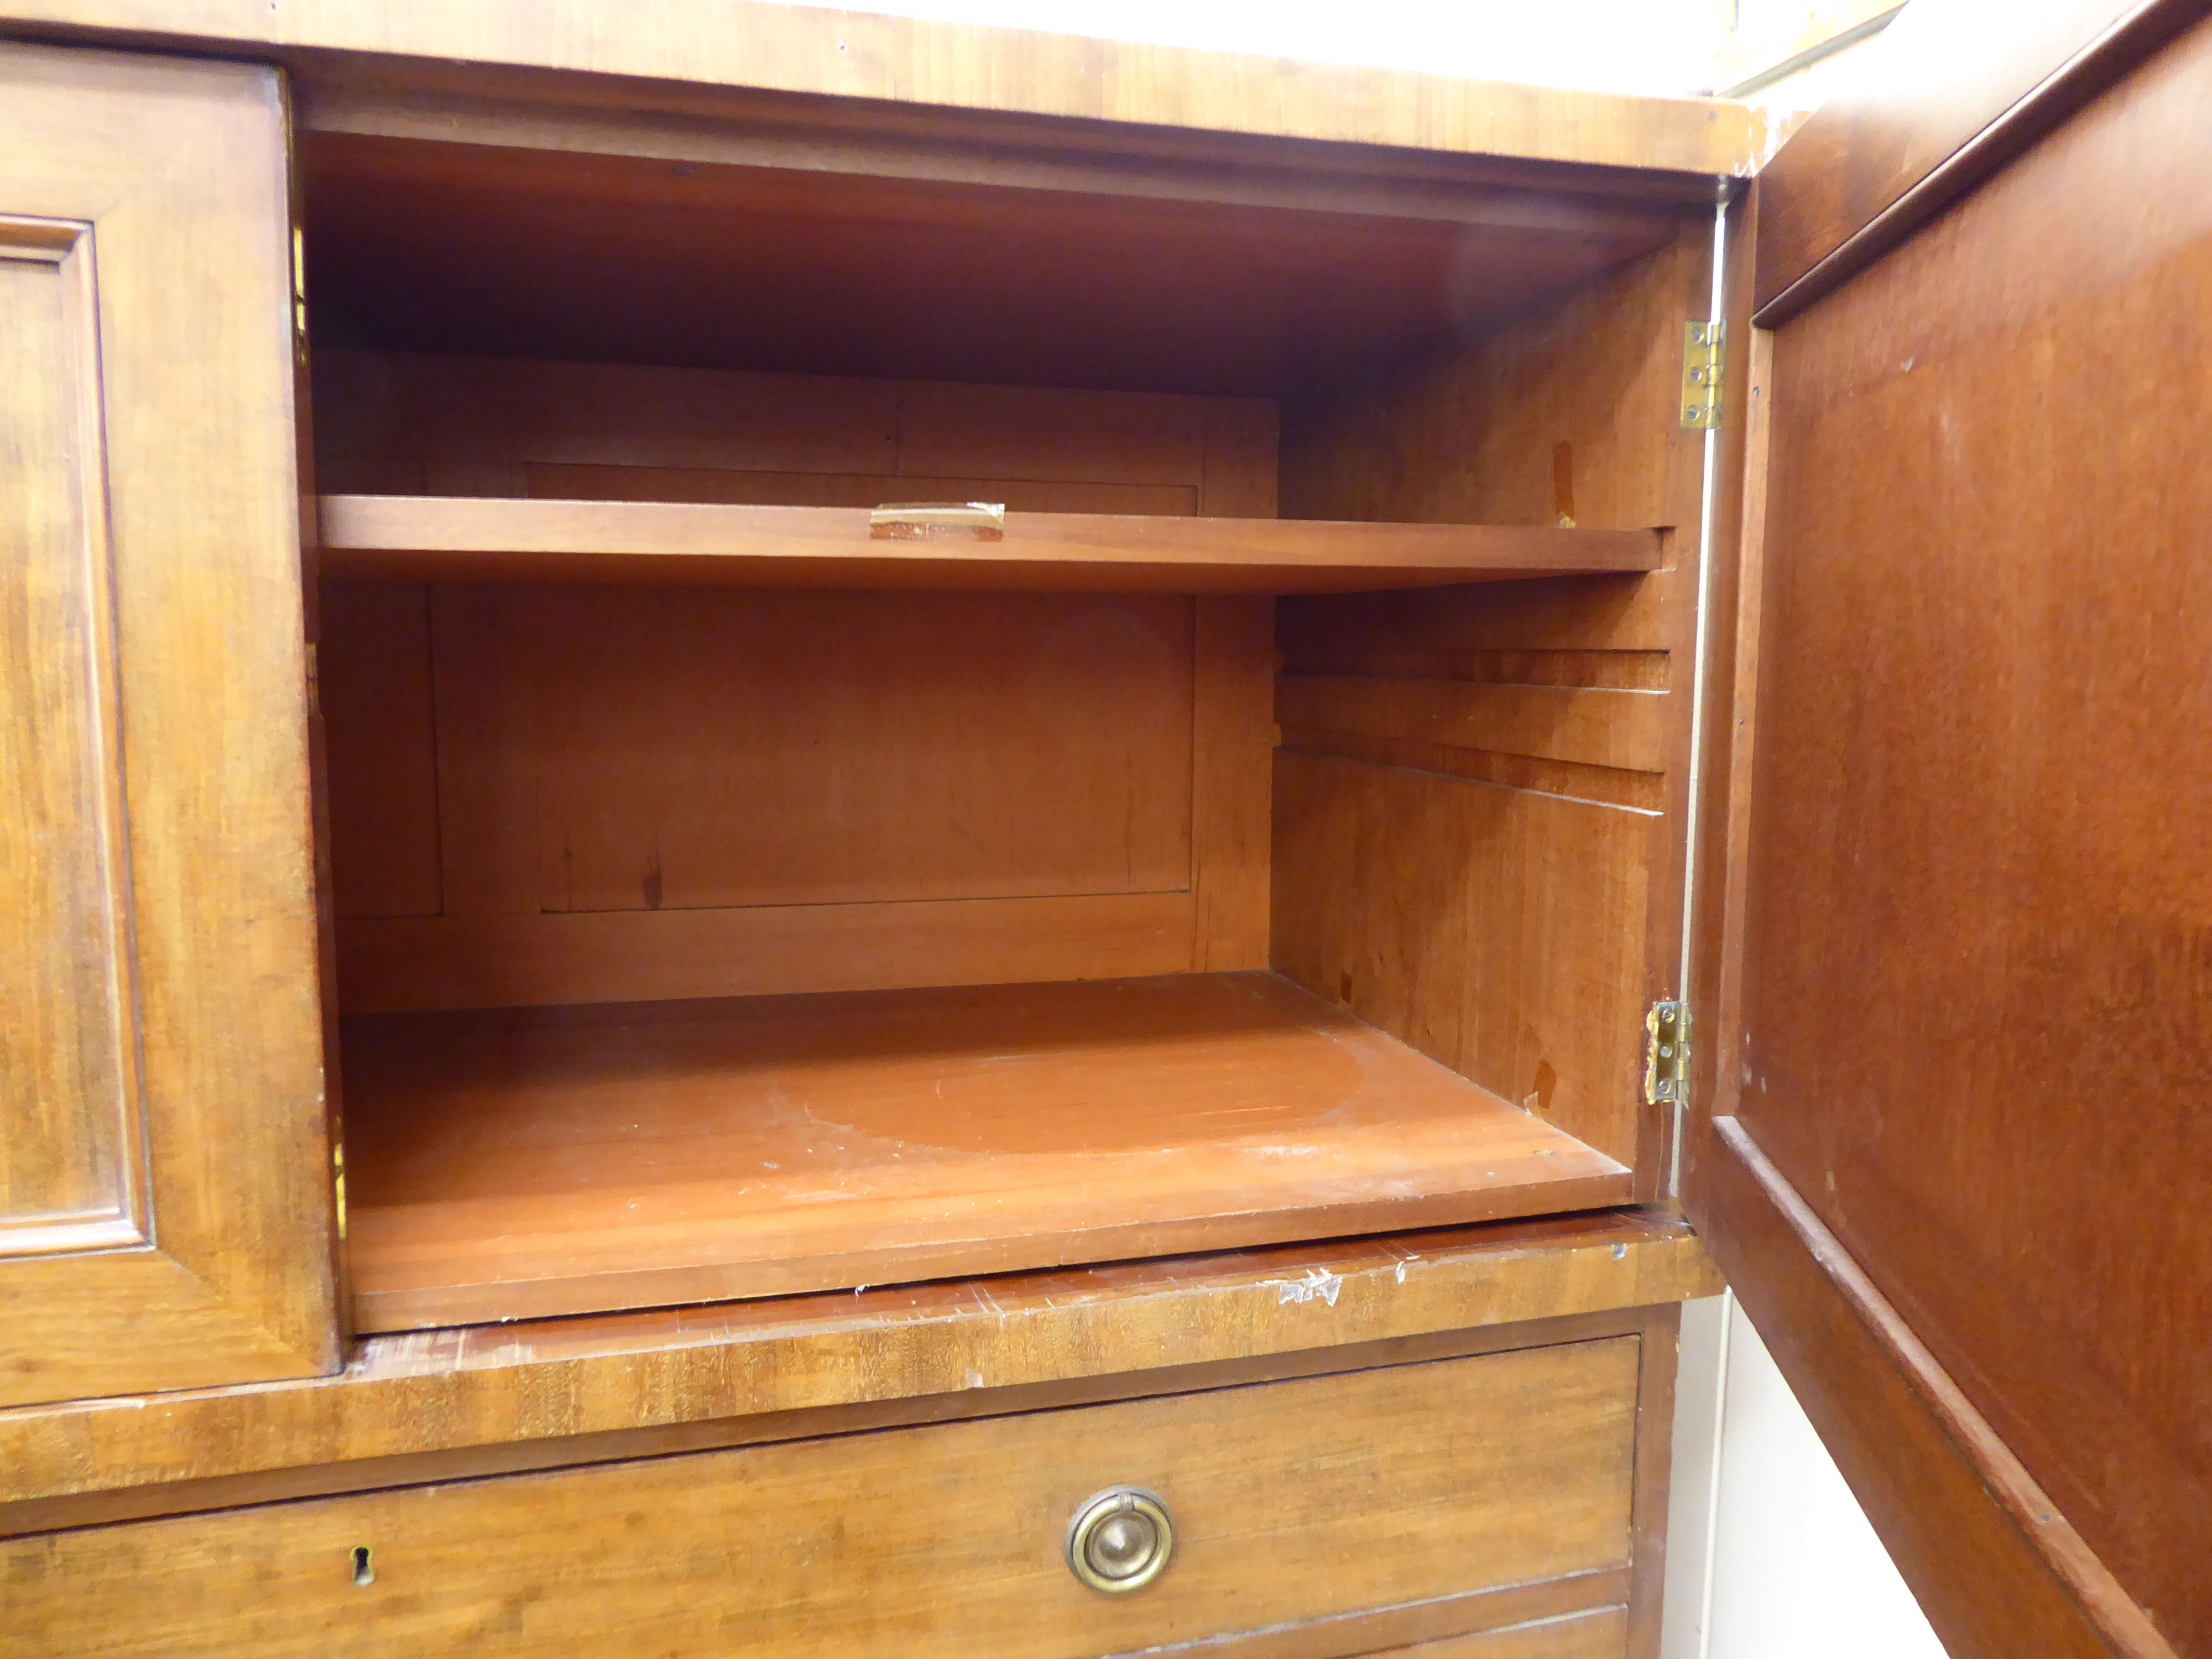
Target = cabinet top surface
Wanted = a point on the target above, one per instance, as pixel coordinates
(751, 46)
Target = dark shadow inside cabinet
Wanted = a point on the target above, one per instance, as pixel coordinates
(1266, 829)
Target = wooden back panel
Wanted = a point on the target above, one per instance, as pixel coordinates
(1477, 794)
(740, 791)
(1959, 1103)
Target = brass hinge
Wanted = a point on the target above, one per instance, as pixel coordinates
(314, 683)
(1701, 374)
(1667, 1052)
(298, 295)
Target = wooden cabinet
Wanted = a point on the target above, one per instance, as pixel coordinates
(894, 730)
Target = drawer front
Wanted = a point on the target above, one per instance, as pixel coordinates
(1602, 1634)
(1291, 1502)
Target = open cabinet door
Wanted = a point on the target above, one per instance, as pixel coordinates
(1955, 1103)
(165, 1195)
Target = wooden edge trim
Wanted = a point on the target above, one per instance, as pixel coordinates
(1658, 1353)
(2035, 1569)
(2094, 67)
(416, 964)
(437, 1467)
(858, 57)
(502, 1391)
(1383, 1632)
(1731, 665)
(442, 524)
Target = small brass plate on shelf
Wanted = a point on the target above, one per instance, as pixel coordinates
(914, 521)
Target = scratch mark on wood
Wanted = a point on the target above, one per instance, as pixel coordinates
(1319, 1282)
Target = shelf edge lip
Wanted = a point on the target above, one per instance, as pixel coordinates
(488, 527)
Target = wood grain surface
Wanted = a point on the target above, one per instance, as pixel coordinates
(158, 864)
(1480, 790)
(1602, 1634)
(487, 425)
(569, 795)
(1733, 593)
(376, 686)
(572, 796)
(436, 1405)
(1469, 431)
(830, 547)
(515, 1165)
(1292, 1502)
(442, 247)
(71, 1134)
(399, 964)
(856, 55)
(1977, 909)
(723, 749)
(1232, 766)
(1952, 90)
(1499, 930)
(1659, 1355)
(1993, 1563)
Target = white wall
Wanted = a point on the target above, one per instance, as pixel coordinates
(1662, 47)
(1768, 1554)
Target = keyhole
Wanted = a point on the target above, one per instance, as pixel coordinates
(364, 1571)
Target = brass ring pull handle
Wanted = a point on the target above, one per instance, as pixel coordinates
(1120, 1540)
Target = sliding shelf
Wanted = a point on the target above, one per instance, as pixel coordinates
(521, 1163)
(832, 547)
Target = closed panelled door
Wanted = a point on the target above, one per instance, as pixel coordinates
(1960, 1133)
(166, 1201)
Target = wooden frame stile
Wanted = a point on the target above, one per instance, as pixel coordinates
(1988, 1551)
(319, 785)
(1658, 1361)
(1671, 856)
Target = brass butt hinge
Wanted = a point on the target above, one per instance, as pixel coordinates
(298, 295)
(1667, 1052)
(1702, 347)
(314, 683)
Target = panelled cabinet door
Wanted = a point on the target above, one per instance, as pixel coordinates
(1960, 1080)
(166, 1203)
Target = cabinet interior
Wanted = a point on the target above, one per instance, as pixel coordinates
(710, 927)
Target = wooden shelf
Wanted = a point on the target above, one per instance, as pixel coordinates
(529, 1163)
(830, 547)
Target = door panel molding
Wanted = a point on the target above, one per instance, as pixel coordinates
(72, 1175)
(1955, 1507)
(1871, 165)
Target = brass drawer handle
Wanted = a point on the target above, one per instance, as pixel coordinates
(1120, 1540)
